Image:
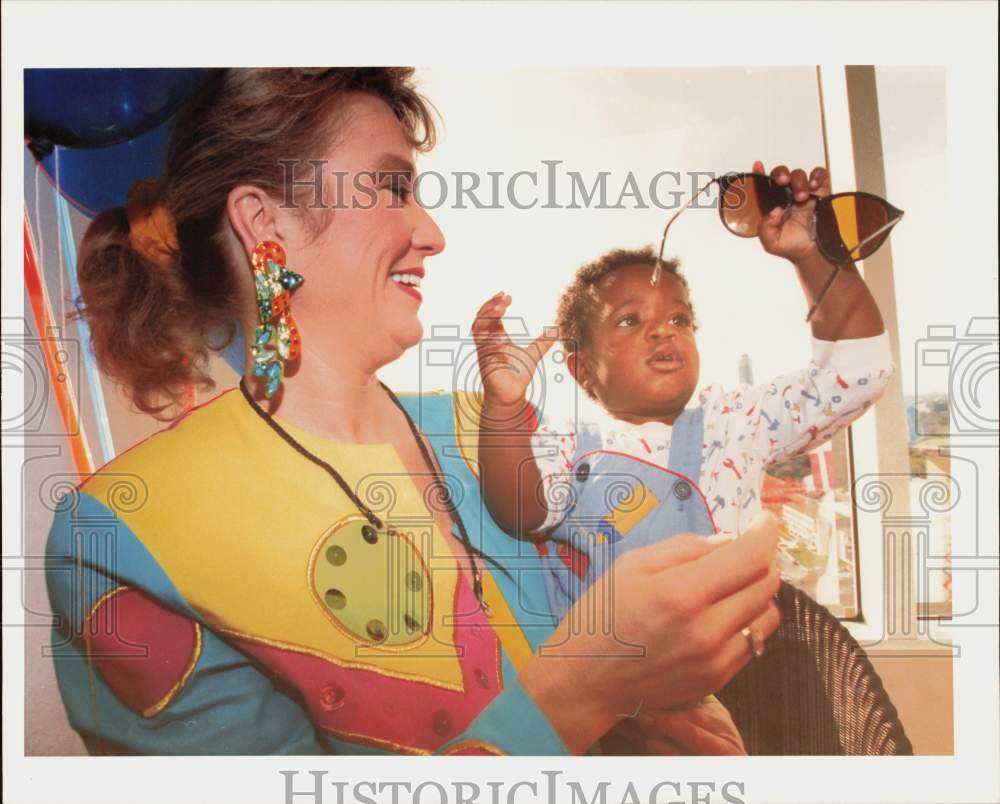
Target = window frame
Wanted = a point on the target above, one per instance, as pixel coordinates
(887, 531)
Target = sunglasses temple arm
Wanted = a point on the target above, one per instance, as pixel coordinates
(658, 268)
(876, 233)
(822, 293)
(833, 274)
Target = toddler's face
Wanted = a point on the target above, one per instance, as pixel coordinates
(641, 360)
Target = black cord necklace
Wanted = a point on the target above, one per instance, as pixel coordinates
(371, 516)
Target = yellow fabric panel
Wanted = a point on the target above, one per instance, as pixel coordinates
(631, 510)
(505, 624)
(398, 606)
(225, 491)
(468, 407)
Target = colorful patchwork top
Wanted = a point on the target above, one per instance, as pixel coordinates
(217, 593)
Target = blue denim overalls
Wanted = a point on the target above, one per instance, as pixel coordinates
(617, 503)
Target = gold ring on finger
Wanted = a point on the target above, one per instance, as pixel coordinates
(755, 640)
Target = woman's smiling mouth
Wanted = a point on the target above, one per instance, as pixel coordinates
(408, 280)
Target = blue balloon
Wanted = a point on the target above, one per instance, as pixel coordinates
(235, 353)
(95, 179)
(95, 108)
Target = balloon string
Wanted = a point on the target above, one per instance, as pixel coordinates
(68, 254)
(59, 242)
(38, 224)
(55, 358)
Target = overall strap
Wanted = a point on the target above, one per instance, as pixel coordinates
(686, 440)
(588, 439)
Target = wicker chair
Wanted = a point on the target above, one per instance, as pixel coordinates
(814, 691)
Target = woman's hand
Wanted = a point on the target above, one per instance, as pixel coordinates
(703, 729)
(660, 628)
(789, 232)
(505, 367)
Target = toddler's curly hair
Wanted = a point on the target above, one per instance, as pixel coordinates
(577, 304)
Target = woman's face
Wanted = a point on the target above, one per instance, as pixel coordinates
(362, 272)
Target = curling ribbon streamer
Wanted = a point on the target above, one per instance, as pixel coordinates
(89, 362)
(187, 398)
(61, 389)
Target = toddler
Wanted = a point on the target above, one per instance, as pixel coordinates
(650, 466)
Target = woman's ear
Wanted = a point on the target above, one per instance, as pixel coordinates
(253, 215)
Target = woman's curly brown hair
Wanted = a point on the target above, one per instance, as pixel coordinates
(153, 324)
(577, 304)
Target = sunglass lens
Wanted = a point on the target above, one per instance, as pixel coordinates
(746, 199)
(848, 230)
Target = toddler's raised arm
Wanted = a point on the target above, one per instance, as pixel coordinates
(508, 474)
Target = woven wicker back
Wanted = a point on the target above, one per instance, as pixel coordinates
(814, 691)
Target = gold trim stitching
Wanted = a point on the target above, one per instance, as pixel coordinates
(102, 600)
(500, 686)
(375, 742)
(175, 690)
(489, 748)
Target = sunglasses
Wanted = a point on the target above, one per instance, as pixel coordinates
(847, 226)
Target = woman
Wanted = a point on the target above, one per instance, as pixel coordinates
(304, 565)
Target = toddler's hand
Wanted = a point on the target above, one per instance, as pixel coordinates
(789, 233)
(703, 729)
(505, 367)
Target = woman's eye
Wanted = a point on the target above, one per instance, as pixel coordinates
(680, 320)
(629, 320)
(400, 190)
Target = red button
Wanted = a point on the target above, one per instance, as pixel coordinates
(332, 698)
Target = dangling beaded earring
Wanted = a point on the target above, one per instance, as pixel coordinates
(276, 339)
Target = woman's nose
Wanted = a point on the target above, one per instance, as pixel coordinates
(427, 236)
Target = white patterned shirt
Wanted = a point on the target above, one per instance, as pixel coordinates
(745, 430)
